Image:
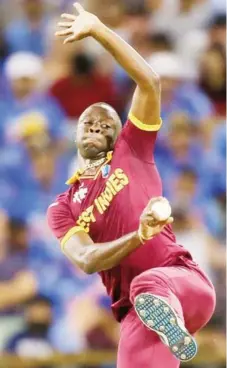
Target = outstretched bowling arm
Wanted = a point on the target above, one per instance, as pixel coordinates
(146, 101)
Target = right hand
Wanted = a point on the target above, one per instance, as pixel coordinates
(78, 26)
(149, 225)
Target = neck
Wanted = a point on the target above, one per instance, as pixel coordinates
(95, 163)
(89, 161)
(94, 160)
(86, 166)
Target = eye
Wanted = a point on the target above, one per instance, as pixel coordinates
(87, 123)
(106, 126)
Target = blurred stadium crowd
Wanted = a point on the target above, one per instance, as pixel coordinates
(47, 305)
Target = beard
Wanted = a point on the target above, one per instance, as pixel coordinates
(94, 152)
(39, 329)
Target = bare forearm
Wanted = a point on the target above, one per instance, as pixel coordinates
(137, 68)
(99, 257)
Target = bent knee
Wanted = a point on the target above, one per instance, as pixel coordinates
(209, 301)
(151, 281)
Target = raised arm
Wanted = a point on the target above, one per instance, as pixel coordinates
(146, 99)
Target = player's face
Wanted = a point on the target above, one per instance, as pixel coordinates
(96, 132)
(23, 87)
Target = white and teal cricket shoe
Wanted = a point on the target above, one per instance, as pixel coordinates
(157, 315)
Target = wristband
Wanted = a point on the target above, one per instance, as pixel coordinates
(142, 238)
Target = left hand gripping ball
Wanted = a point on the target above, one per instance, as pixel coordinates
(161, 210)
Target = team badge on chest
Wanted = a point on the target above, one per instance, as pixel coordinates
(80, 194)
(105, 171)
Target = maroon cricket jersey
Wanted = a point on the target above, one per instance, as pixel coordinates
(110, 206)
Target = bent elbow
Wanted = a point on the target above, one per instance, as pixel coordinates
(152, 84)
(89, 269)
(83, 257)
(155, 82)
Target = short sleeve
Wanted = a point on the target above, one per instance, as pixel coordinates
(140, 138)
(61, 221)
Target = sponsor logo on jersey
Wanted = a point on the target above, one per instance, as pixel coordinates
(80, 194)
(105, 171)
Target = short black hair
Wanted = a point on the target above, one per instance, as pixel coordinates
(189, 171)
(219, 20)
(161, 39)
(82, 63)
(40, 299)
(17, 224)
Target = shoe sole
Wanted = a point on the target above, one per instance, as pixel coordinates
(157, 315)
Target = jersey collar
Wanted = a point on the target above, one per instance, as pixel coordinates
(78, 174)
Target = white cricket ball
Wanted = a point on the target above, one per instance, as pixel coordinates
(161, 210)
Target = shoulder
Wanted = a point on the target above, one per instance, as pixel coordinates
(138, 139)
(135, 130)
(58, 209)
(60, 202)
(140, 126)
(60, 217)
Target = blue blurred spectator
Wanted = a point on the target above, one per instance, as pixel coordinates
(28, 33)
(215, 159)
(3, 49)
(213, 77)
(179, 89)
(178, 149)
(217, 30)
(206, 251)
(28, 196)
(27, 266)
(33, 341)
(104, 333)
(188, 193)
(219, 141)
(25, 102)
(14, 267)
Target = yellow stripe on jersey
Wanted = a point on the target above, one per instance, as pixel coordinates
(142, 126)
(69, 234)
